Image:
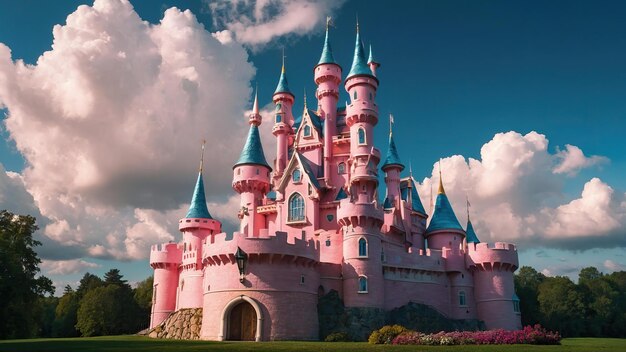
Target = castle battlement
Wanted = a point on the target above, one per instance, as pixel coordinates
(166, 254)
(486, 256)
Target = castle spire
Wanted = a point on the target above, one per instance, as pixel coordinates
(470, 234)
(359, 64)
(198, 208)
(255, 117)
(443, 217)
(327, 52)
(283, 86)
(392, 158)
(441, 190)
(255, 106)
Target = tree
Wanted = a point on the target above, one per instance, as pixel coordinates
(113, 277)
(143, 297)
(65, 315)
(588, 275)
(88, 283)
(527, 281)
(562, 306)
(99, 311)
(20, 286)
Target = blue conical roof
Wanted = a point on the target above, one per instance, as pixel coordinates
(198, 208)
(283, 86)
(359, 65)
(252, 152)
(327, 52)
(443, 216)
(470, 234)
(392, 158)
(387, 204)
(371, 58)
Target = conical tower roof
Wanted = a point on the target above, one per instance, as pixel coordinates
(443, 216)
(327, 51)
(371, 58)
(198, 208)
(392, 158)
(470, 234)
(283, 86)
(252, 152)
(359, 64)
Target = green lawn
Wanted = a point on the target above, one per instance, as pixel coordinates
(136, 343)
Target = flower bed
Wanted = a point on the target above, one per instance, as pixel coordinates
(535, 335)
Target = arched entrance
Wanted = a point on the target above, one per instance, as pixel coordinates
(228, 315)
(242, 322)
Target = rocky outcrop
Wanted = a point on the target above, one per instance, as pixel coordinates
(184, 324)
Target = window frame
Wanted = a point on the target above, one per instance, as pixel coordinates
(462, 299)
(361, 133)
(306, 131)
(360, 280)
(366, 249)
(290, 210)
(295, 172)
(341, 168)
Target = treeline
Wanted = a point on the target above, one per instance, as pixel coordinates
(596, 306)
(107, 306)
(28, 309)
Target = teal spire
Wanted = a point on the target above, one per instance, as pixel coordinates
(392, 158)
(371, 58)
(470, 233)
(198, 208)
(443, 216)
(283, 86)
(252, 153)
(327, 52)
(359, 65)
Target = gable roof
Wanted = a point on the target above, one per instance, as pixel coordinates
(298, 159)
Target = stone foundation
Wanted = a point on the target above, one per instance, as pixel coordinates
(184, 324)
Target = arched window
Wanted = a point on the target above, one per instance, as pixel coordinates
(307, 130)
(341, 168)
(279, 106)
(278, 119)
(354, 95)
(361, 136)
(296, 176)
(296, 208)
(362, 247)
(362, 284)
(462, 301)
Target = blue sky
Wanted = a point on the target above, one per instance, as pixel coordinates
(454, 74)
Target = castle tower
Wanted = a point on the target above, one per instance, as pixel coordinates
(372, 62)
(196, 226)
(251, 177)
(164, 259)
(363, 284)
(444, 229)
(392, 168)
(283, 122)
(327, 78)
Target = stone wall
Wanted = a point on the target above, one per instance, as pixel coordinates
(184, 324)
(358, 323)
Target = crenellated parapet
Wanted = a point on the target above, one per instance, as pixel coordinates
(165, 256)
(359, 214)
(220, 249)
(491, 257)
(209, 225)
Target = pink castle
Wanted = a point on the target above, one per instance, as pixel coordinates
(312, 222)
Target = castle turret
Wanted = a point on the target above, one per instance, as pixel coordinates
(196, 226)
(363, 284)
(283, 122)
(251, 177)
(392, 168)
(327, 77)
(164, 259)
(372, 62)
(444, 229)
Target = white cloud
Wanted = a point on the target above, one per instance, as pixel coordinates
(65, 267)
(613, 266)
(572, 160)
(258, 22)
(516, 197)
(110, 122)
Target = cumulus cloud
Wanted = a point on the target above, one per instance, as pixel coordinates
(613, 266)
(572, 160)
(110, 122)
(516, 196)
(257, 22)
(65, 267)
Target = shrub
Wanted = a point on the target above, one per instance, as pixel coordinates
(535, 335)
(337, 337)
(386, 334)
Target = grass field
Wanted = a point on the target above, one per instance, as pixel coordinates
(137, 343)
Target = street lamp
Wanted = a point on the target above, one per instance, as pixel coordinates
(242, 259)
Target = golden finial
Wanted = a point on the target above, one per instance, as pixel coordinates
(441, 190)
(283, 69)
(202, 156)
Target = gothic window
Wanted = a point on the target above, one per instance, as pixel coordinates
(361, 136)
(307, 131)
(362, 284)
(278, 118)
(462, 301)
(362, 247)
(296, 208)
(278, 106)
(296, 176)
(341, 168)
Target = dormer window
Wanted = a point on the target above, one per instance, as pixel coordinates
(296, 176)
(307, 131)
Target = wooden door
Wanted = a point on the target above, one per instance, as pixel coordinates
(242, 323)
